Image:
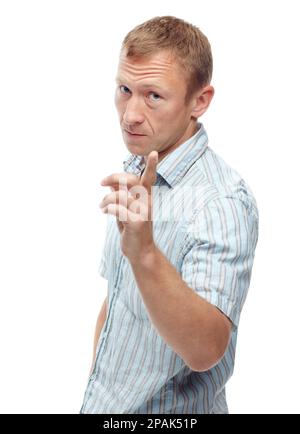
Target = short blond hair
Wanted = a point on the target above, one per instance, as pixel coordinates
(188, 45)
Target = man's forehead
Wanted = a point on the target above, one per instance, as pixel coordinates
(157, 70)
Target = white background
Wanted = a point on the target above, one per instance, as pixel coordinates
(59, 136)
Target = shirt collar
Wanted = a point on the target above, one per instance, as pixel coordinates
(175, 164)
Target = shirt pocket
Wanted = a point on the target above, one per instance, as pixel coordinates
(169, 237)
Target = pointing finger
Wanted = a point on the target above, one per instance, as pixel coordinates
(149, 176)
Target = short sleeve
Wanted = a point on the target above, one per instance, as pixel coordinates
(219, 253)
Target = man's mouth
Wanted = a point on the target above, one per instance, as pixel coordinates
(133, 134)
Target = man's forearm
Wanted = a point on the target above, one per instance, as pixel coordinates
(194, 328)
(100, 321)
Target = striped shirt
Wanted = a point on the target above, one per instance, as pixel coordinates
(211, 242)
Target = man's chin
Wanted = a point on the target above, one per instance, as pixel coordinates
(135, 148)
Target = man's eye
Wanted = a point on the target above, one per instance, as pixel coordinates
(125, 89)
(156, 96)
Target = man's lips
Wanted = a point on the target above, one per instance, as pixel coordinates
(133, 134)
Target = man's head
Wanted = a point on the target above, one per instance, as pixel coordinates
(163, 84)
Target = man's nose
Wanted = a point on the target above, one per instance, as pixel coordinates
(133, 113)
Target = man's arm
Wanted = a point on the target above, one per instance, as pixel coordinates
(100, 321)
(198, 331)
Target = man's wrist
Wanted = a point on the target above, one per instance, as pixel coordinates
(147, 259)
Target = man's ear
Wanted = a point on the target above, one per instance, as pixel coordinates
(201, 100)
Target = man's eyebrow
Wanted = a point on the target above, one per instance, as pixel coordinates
(146, 85)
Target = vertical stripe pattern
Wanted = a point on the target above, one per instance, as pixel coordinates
(212, 246)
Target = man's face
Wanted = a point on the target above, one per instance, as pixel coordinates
(150, 102)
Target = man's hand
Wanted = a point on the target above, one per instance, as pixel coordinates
(131, 202)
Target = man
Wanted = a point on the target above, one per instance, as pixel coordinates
(166, 334)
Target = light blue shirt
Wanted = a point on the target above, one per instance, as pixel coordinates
(209, 234)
